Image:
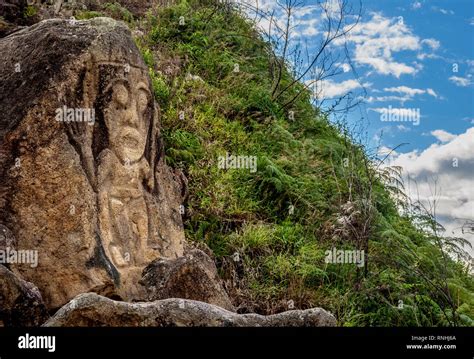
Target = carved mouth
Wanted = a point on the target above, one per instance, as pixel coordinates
(131, 139)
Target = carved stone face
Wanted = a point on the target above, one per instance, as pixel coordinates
(128, 114)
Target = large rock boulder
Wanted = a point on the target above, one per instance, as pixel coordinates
(83, 179)
(21, 304)
(93, 310)
(193, 276)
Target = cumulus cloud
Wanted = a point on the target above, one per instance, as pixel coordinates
(377, 40)
(438, 158)
(443, 135)
(448, 166)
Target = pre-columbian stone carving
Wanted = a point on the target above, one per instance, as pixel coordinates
(124, 172)
(83, 178)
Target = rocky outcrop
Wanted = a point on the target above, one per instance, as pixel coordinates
(21, 304)
(93, 310)
(193, 276)
(83, 179)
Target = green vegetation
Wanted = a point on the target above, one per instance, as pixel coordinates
(315, 187)
(86, 15)
(30, 11)
(114, 10)
(117, 11)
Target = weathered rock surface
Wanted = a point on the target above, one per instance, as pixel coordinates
(82, 173)
(193, 276)
(91, 309)
(21, 304)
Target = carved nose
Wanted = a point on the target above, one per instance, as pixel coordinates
(131, 116)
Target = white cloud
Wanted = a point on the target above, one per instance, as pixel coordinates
(333, 7)
(461, 81)
(433, 43)
(266, 5)
(346, 67)
(443, 135)
(386, 151)
(305, 10)
(310, 31)
(328, 89)
(405, 90)
(422, 55)
(446, 12)
(377, 40)
(451, 163)
(372, 99)
(431, 92)
(442, 11)
(405, 94)
(416, 5)
(403, 128)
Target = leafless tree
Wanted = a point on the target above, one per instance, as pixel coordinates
(310, 65)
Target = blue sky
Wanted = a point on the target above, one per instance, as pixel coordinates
(430, 66)
(448, 23)
(407, 54)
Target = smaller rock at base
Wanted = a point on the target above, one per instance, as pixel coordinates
(21, 304)
(91, 309)
(192, 276)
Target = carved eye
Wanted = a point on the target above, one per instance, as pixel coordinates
(142, 101)
(121, 94)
